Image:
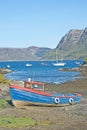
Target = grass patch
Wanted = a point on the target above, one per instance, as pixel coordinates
(46, 123)
(3, 103)
(18, 122)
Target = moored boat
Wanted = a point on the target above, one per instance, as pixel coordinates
(28, 65)
(32, 93)
(58, 63)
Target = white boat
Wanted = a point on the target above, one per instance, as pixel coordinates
(8, 66)
(58, 63)
(28, 64)
(77, 62)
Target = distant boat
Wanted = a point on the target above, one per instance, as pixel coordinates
(32, 93)
(28, 64)
(77, 62)
(43, 64)
(58, 63)
(8, 66)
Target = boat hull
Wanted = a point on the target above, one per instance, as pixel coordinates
(20, 104)
(23, 97)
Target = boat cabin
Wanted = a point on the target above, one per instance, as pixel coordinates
(34, 85)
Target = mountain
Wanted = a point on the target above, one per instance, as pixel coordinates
(71, 46)
(30, 53)
(70, 39)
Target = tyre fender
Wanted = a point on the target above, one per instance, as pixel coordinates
(57, 100)
(71, 101)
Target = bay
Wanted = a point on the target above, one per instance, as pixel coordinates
(42, 71)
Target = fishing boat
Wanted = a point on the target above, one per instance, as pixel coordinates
(32, 93)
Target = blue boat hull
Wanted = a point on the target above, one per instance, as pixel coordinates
(23, 97)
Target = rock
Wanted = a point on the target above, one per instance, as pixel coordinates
(80, 68)
(5, 71)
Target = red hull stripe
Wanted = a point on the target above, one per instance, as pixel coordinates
(30, 90)
(44, 93)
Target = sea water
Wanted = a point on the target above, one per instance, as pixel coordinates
(42, 71)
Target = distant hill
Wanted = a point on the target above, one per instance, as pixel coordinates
(30, 53)
(71, 46)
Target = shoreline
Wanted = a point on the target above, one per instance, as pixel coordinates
(78, 85)
(72, 117)
(74, 86)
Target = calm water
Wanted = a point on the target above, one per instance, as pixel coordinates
(41, 71)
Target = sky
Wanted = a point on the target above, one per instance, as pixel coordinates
(41, 23)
